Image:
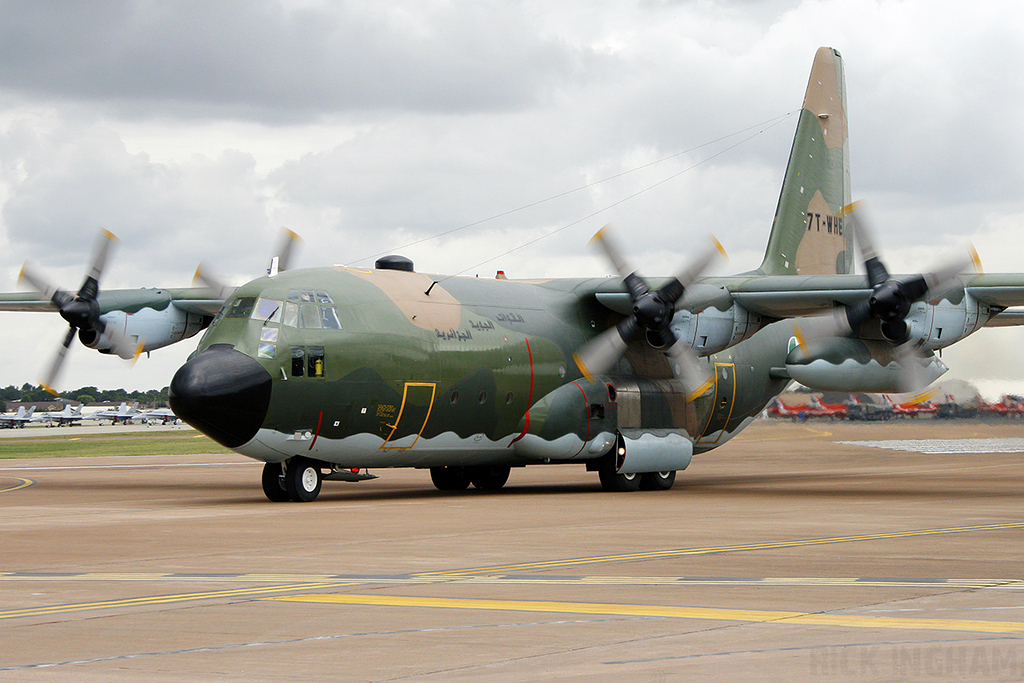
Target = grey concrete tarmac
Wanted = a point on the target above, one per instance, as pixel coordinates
(784, 555)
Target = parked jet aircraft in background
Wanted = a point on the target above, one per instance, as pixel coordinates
(67, 416)
(123, 415)
(916, 405)
(325, 371)
(161, 415)
(18, 419)
(813, 408)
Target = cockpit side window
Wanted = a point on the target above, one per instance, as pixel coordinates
(241, 307)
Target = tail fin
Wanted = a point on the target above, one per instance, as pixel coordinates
(807, 235)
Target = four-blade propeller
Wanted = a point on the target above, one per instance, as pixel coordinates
(651, 315)
(82, 311)
(889, 302)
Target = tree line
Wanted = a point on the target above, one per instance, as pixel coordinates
(30, 393)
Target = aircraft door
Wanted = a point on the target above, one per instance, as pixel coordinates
(725, 397)
(417, 401)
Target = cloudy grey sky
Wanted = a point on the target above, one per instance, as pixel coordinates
(195, 131)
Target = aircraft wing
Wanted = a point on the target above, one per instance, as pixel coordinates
(789, 297)
(780, 297)
(199, 300)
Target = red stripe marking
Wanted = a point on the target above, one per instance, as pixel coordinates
(319, 422)
(529, 399)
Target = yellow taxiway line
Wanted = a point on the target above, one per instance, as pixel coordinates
(704, 613)
(710, 550)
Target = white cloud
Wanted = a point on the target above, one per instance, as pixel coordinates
(194, 135)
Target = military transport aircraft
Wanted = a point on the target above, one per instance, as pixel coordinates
(324, 372)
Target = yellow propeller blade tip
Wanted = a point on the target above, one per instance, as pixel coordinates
(718, 245)
(292, 235)
(583, 368)
(21, 274)
(800, 340)
(599, 235)
(975, 258)
(48, 388)
(851, 207)
(109, 235)
(199, 273)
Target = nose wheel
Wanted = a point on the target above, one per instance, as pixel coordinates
(298, 479)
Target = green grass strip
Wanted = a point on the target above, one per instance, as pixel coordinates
(113, 444)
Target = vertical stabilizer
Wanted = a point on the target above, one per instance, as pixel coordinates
(807, 235)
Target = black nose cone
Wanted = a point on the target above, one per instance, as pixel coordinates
(223, 393)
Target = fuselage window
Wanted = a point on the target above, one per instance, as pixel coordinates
(329, 317)
(316, 361)
(306, 296)
(309, 317)
(267, 310)
(269, 334)
(241, 307)
(298, 361)
(290, 317)
(266, 351)
(323, 297)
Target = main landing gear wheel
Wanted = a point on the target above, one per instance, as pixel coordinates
(657, 481)
(273, 484)
(450, 478)
(302, 479)
(489, 478)
(616, 482)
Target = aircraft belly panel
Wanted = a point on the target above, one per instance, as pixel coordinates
(365, 450)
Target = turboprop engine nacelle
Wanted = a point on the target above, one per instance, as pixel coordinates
(155, 328)
(849, 364)
(715, 329)
(935, 326)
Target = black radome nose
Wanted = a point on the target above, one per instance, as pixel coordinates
(223, 393)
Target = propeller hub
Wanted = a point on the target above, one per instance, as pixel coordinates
(80, 313)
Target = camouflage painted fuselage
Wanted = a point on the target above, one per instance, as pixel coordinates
(410, 378)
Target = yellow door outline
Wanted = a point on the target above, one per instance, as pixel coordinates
(401, 412)
(714, 409)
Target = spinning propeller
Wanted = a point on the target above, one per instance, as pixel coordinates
(652, 315)
(890, 299)
(82, 311)
(279, 263)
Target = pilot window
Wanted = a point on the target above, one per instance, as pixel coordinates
(309, 317)
(241, 307)
(329, 318)
(316, 361)
(290, 317)
(267, 310)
